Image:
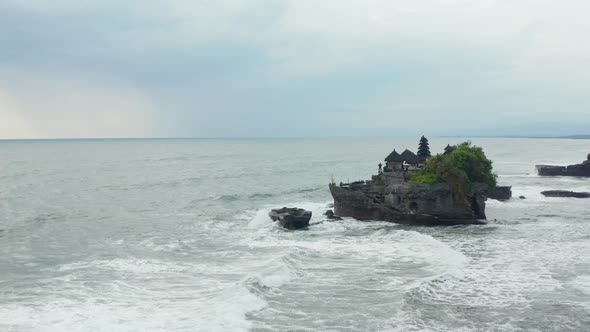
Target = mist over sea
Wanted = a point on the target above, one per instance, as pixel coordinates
(173, 235)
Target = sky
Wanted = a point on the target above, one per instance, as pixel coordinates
(292, 68)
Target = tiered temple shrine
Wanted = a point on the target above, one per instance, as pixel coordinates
(408, 160)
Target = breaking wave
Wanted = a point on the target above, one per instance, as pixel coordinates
(129, 295)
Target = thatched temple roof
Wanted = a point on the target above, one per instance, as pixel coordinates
(394, 157)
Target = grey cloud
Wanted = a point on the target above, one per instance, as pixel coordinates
(233, 68)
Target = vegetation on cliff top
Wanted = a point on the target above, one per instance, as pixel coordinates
(466, 164)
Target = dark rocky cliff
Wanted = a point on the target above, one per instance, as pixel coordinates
(582, 169)
(444, 189)
(411, 203)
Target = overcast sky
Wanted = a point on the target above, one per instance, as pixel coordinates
(230, 68)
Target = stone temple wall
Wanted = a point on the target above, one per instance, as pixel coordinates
(393, 178)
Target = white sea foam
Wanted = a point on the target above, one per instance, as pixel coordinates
(260, 219)
(383, 244)
(128, 312)
(145, 295)
(582, 283)
(136, 266)
(273, 276)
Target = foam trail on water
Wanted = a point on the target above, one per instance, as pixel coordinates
(274, 275)
(134, 299)
(260, 219)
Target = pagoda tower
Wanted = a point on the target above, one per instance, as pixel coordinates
(423, 148)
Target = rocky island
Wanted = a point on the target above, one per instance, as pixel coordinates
(582, 169)
(419, 189)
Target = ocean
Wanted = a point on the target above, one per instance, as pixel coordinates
(173, 235)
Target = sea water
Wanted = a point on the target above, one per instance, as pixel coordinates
(173, 235)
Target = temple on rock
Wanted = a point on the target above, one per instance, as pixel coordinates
(408, 160)
(392, 196)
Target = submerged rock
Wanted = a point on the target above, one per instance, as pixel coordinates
(500, 193)
(582, 169)
(291, 218)
(565, 193)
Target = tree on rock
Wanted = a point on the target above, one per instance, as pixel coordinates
(464, 165)
(423, 147)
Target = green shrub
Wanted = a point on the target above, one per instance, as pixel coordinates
(465, 165)
(473, 161)
(424, 178)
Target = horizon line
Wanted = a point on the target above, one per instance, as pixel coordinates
(575, 136)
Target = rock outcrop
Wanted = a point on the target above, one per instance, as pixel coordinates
(414, 204)
(500, 193)
(330, 215)
(445, 189)
(582, 169)
(291, 218)
(565, 193)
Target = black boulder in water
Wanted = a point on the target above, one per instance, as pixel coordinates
(291, 218)
(500, 193)
(565, 193)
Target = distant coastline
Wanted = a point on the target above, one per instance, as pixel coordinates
(553, 137)
(524, 136)
(577, 137)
